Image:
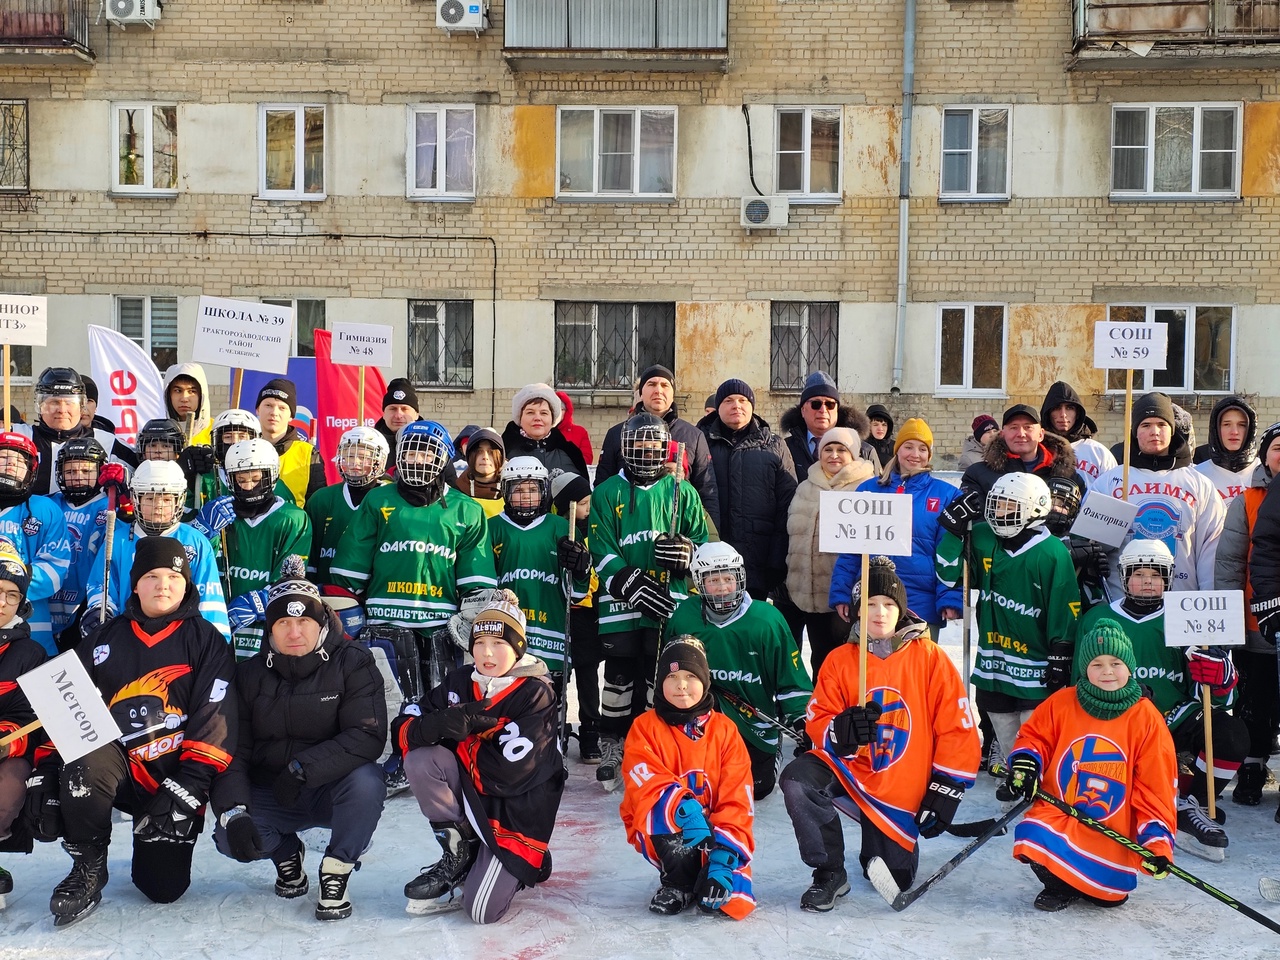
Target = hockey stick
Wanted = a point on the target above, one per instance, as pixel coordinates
(1134, 847)
(882, 879)
(562, 713)
(749, 710)
(108, 549)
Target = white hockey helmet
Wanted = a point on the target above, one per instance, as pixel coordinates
(719, 557)
(1138, 554)
(241, 420)
(1015, 502)
(362, 456)
(519, 470)
(256, 454)
(159, 488)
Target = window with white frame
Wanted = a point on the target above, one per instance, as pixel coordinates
(20, 363)
(146, 139)
(616, 152)
(1201, 357)
(440, 343)
(807, 152)
(308, 317)
(442, 152)
(15, 147)
(291, 152)
(803, 337)
(151, 323)
(975, 153)
(604, 346)
(1175, 150)
(971, 347)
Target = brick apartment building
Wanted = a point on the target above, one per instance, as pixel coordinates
(559, 196)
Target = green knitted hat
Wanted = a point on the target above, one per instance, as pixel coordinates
(1106, 639)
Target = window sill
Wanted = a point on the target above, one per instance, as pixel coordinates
(445, 387)
(439, 198)
(142, 194)
(291, 198)
(970, 198)
(1173, 198)
(614, 198)
(803, 200)
(971, 395)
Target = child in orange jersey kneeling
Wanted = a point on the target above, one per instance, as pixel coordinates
(1106, 750)
(688, 804)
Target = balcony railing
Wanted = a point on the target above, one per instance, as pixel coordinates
(639, 25)
(36, 27)
(1176, 21)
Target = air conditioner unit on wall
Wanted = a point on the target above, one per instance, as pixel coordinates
(765, 213)
(133, 11)
(454, 15)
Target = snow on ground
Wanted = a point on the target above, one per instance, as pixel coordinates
(595, 905)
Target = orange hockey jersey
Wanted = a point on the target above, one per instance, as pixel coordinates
(925, 726)
(1122, 772)
(662, 765)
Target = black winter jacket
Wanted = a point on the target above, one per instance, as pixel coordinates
(553, 451)
(695, 449)
(18, 654)
(798, 438)
(1062, 392)
(326, 710)
(756, 476)
(1056, 460)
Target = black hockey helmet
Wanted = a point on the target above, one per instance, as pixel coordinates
(79, 450)
(161, 431)
(644, 447)
(59, 382)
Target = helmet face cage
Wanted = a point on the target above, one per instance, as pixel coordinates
(711, 560)
(421, 455)
(19, 446)
(1016, 502)
(515, 474)
(80, 450)
(644, 447)
(160, 489)
(249, 455)
(237, 420)
(1065, 505)
(362, 456)
(160, 440)
(157, 512)
(1145, 554)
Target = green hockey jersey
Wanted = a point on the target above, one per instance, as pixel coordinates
(330, 510)
(526, 561)
(413, 564)
(1161, 669)
(255, 550)
(625, 520)
(1028, 600)
(753, 657)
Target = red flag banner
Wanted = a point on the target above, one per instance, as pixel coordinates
(336, 389)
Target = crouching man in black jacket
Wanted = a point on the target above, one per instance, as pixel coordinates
(313, 721)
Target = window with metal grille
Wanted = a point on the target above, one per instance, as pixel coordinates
(604, 346)
(1201, 357)
(151, 323)
(970, 350)
(803, 337)
(15, 148)
(308, 317)
(441, 333)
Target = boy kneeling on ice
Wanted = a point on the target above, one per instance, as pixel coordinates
(1103, 748)
(688, 802)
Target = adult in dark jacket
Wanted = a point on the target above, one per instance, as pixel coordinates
(757, 479)
(399, 406)
(819, 409)
(1022, 447)
(534, 431)
(301, 469)
(313, 721)
(657, 393)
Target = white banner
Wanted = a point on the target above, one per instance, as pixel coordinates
(130, 388)
(1121, 345)
(24, 320)
(69, 706)
(361, 345)
(244, 334)
(1203, 618)
(877, 523)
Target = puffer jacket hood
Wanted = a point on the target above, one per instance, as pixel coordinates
(196, 373)
(1227, 459)
(1062, 392)
(1064, 462)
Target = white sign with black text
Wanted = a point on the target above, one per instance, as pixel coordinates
(1130, 346)
(1204, 618)
(1104, 519)
(244, 334)
(361, 345)
(69, 705)
(872, 523)
(24, 321)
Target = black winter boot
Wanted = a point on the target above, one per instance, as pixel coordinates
(1250, 779)
(826, 887)
(334, 874)
(80, 891)
(291, 881)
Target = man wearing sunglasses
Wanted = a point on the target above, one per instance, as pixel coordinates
(819, 410)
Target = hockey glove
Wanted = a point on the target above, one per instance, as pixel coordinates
(938, 808)
(173, 815)
(674, 554)
(1058, 673)
(1023, 778)
(1267, 613)
(960, 513)
(1156, 865)
(243, 839)
(692, 821)
(247, 609)
(573, 557)
(854, 727)
(43, 807)
(642, 593)
(196, 460)
(288, 785)
(715, 882)
(452, 723)
(215, 516)
(113, 476)
(797, 726)
(92, 619)
(1091, 560)
(1212, 667)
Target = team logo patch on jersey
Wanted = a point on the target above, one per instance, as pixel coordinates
(1161, 521)
(893, 731)
(100, 654)
(386, 513)
(1093, 776)
(218, 691)
(190, 551)
(296, 608)
(453, 698)
(933, 504)
(31, 526)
